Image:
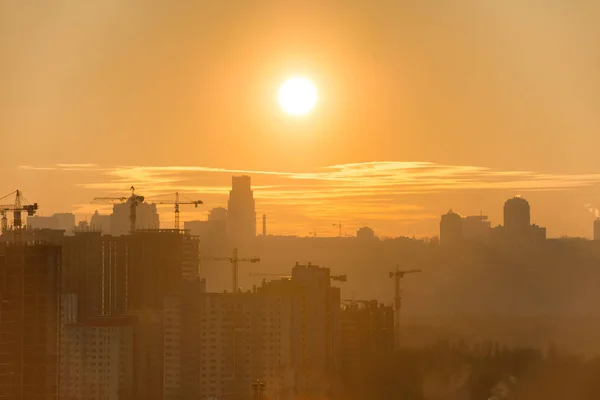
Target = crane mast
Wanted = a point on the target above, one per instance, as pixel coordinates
(134, 200)
(234, 260)
(339, 226)
(398, 275)
(177, 203)
(20, 206)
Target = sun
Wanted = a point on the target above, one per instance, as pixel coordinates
(297, 96)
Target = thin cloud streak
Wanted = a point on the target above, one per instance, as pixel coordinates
(357, 193)
(369, 178)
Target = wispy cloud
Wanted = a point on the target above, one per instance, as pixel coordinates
(367, 191)
(63, 167)
(76, 165)
(358, 179)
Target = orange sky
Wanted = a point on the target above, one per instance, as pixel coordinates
(499, 97)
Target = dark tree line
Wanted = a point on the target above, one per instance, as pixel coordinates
(455, 371)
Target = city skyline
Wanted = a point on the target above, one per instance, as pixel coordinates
(394, 198)
(299, 200)
(510, 87)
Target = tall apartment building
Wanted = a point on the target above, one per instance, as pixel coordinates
(315, 331)
(284, 333)
(94, 269)
(162, 278)
(158, 261)
(82, 271)
(181, 343)
(367, 334)
(96, 360)
(29, 321)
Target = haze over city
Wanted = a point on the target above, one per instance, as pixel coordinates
(299, 200)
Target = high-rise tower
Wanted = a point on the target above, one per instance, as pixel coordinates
(517, 215)
(241, 213)
(29, 321)
(451, 228)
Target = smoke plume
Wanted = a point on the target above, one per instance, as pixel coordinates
(593, 210)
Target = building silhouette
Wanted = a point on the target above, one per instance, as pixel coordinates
(241, 212)
(159, 264)
(365, 233)
(65, 221)
(451, 228)
(212, 231)
(367, 334)
(218, 214)
(517, 225)
(597, 229)
(284, 332)
(476, 228)
(517, 215)
(41, 222)
(29, 321)
(100, 223)
(146, 218)
(96, 360)
(61, 221)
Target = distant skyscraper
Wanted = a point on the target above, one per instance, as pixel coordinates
(241, 213)
(146, 218)
(65, 222)
(365, 233)
(517, 225)
(451, 228)
(476, 227)
(100, 223)
(517, 215)
(217, 214)
(41, 222)
(29, 321)
(597, 229)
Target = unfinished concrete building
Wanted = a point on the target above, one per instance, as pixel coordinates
(29, 321)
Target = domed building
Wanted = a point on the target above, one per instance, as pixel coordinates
(517, 215)
(451, 228)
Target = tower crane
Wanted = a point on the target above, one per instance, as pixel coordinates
(398, 275)
(263, 274)
(339, 278)
(339, 226)
(234, 260)
(134, 200)
(177, 203)
(20, 205)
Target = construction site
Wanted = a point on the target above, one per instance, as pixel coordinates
(70, 298)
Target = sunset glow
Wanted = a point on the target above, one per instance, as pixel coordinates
(297, 96)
